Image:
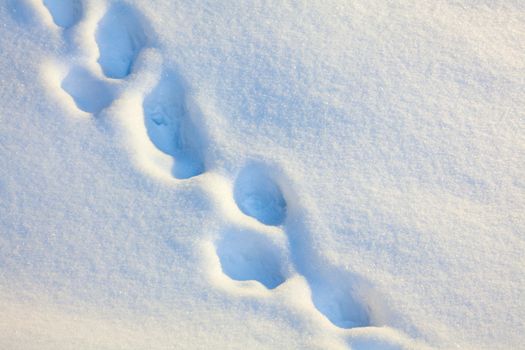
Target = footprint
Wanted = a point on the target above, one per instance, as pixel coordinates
(258, 195)
(333, 291)
(120, 37)
(335, 297)
(65, 13)
(248, 255)
(171, 128)
(90, 94)
(337, 293)
(19, 10)
(244, 255)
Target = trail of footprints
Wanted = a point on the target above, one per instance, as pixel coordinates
(244, 254)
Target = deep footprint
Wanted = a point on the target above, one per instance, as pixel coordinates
(90, 94)
(65, 13)
(258, 195)
(171, 128)
(120, 38)
(247, 255)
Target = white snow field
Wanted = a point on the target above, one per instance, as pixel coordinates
(262, 174)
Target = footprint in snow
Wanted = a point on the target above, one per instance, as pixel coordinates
(333, 294)
(65, 13)
(258, 195)
(90, 94)
(243, 254)
(248, 255)
(171, 128)
(120, 37)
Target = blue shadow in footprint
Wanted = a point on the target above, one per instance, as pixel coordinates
(65, 13)
(247, 255)
(259, 196)
(120, 37)
(89, 93)
(172, 129)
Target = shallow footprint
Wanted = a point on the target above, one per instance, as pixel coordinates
(65, 13)
(335, 298)
(171, 128)
(120, 38)
(90, 94)
(258, 195)
(248, 255)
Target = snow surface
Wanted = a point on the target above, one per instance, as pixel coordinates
(262, 175)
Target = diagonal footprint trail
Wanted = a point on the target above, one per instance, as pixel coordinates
(244, 254)
(89, 93)
(120, 37)
(334, 291)
(171, 128)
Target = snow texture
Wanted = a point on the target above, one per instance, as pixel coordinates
(262, 175)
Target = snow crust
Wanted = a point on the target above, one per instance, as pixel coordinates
(262, 175)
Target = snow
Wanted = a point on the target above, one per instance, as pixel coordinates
(65, 14)
(120, 38)
(257, 195)
(245, 175)
(171, 128)
(90, 94)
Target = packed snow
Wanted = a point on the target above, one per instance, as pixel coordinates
(262, 174)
